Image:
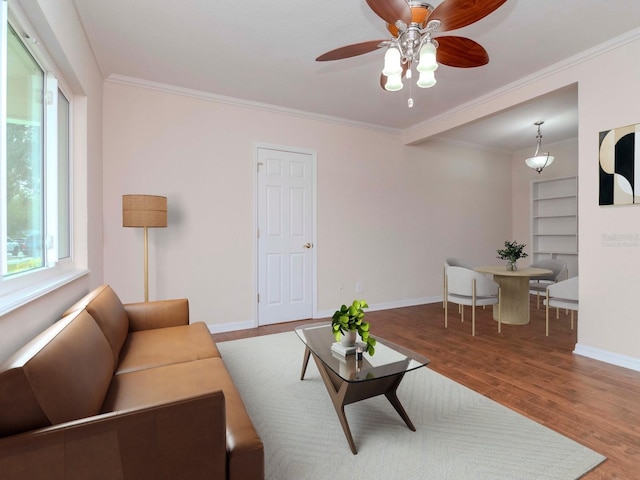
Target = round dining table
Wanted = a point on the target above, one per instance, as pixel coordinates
(514, 286)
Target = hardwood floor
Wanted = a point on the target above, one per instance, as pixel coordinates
(594, 403)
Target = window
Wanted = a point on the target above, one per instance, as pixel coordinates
(35, 161)
(25, 122)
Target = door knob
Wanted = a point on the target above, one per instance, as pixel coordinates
(308, 245)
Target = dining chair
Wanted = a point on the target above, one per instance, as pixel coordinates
(539, 284)
(563, 294)
(467, 287)
(451, 262)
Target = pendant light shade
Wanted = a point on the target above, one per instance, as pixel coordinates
(540, 162)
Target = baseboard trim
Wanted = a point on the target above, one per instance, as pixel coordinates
(230, 327)
(387, 305)
(608, 357)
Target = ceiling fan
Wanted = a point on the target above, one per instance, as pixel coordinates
(413, 25)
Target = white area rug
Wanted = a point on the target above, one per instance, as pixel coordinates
(461, 435)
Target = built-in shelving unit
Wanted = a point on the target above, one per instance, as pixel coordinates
(554, 221)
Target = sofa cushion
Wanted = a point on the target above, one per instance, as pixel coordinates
(61, 375)
(106, 308)
(166, 346)
(175, 382)
(157, 314)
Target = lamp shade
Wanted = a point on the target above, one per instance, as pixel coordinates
(144, 211)
(540, 162)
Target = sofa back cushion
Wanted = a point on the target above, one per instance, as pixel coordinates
(106, 308)
(61, 375)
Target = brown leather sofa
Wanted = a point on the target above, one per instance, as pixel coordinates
(115, 391)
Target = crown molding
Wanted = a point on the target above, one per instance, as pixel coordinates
(237, 102)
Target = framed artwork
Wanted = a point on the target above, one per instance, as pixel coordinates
(620, 166)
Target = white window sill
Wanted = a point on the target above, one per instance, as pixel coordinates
(18, 298)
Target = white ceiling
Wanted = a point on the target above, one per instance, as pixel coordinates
(264, 51)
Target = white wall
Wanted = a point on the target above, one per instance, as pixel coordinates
(387, 214)
(57, 26)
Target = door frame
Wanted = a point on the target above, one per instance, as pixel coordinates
(314, 221)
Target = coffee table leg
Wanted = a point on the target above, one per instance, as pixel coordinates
(337, 399)
(305, 362)
(393, 399)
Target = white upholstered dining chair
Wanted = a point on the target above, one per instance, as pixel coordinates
(562, 294)
(451, 262)
(467, 287)
(539, 284)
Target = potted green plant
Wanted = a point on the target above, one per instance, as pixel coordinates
(349, 320)
(511, 252)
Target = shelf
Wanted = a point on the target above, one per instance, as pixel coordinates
(565, 215)
(554, 234)
(538, 199)
(554, 210)
(547, 252)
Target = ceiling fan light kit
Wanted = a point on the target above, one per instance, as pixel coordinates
(539, 161)
(413, 24)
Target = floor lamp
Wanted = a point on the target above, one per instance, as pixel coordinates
(146, 211)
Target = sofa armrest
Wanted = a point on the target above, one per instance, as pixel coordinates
(158, 314)
(183, 439)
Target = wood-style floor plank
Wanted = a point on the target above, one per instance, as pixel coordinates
(592, 402)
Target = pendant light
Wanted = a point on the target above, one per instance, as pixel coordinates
(539, 160)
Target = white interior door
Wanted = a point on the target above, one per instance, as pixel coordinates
(285, 235)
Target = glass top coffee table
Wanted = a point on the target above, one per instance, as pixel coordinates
(349, 379)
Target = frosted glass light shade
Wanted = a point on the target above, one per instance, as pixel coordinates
(394, 83)
(392, 62)
(427, 79)
(427, 58)
(540, 162)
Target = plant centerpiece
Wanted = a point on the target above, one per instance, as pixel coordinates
(511, 252)
(351, 319)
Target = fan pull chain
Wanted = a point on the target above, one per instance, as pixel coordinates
(410, 101)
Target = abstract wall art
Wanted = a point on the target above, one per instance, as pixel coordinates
(620, 166)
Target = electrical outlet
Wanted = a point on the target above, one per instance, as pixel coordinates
(358, 286)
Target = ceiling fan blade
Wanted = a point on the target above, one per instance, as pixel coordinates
(455, 14)
(391, 10)
(383, 78)
(352, 50)
(460, 52)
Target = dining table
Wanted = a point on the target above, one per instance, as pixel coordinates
(514, 286)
